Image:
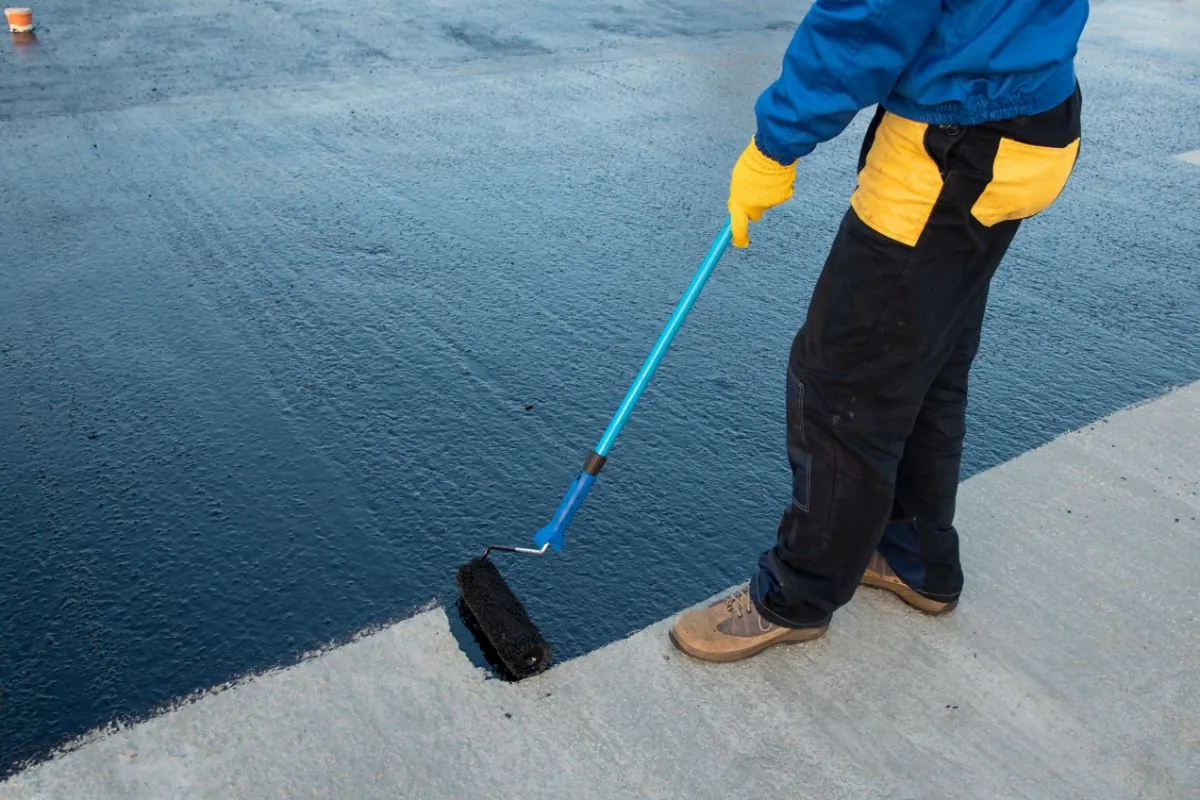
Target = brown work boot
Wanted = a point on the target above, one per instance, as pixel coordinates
(732, 629)
(881, 576)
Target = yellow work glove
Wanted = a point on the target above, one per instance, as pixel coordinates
(759, 182)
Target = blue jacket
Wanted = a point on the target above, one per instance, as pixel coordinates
(960, 62)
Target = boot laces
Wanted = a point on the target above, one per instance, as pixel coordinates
(739, 604)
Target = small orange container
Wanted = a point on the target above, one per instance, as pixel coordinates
(20, 20)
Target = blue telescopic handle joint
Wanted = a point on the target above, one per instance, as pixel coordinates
(577, 492)
(553, 533)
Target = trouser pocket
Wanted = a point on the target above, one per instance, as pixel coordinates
(1034, 157)
(898, 182)
(1026, 180)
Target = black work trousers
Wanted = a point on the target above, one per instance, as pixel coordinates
(878, 374)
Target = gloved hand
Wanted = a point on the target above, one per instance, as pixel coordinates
(759, 182)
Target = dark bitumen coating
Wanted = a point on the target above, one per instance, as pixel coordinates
(280, 280)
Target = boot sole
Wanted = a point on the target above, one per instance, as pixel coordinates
(727, 658)
(934, 608)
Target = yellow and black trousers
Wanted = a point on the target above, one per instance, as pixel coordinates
(877, 375)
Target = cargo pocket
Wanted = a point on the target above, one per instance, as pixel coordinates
(1026, 180)
(801, 479)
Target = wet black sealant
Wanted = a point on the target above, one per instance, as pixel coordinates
(296, 316)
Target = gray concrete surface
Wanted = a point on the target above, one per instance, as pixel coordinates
(1070, 670)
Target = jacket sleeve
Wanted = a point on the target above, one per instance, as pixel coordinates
(846, 55)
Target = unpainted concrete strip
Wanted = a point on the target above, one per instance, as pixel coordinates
(1070, 670)
(1190, 157)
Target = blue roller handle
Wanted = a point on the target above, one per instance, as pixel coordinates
(553, 533)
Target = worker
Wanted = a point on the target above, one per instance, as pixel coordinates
(976, 127)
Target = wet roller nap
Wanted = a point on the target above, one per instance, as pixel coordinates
(513, 637)
(498, 615)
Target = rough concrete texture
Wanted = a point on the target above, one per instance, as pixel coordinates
(1071, 670)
